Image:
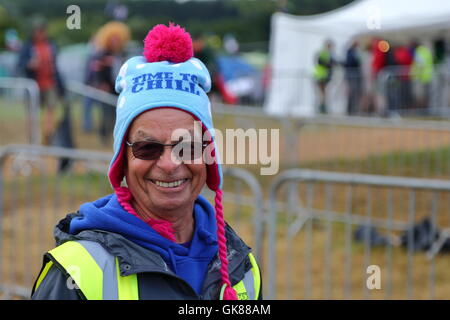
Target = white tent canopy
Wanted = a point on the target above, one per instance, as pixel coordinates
(295, 41)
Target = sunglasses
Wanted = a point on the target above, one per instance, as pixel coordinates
(152, 150)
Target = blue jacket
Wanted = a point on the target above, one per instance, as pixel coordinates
(188, 262)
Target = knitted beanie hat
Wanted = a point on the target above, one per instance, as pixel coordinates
(167, 75)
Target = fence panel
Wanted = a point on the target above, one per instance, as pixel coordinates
(393, 146)
(40, 185)
(388, 146)
(375, 146)
(385, 146)
(19, 111)
(357, 236)
(393, 91)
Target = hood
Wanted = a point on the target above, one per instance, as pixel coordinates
(106, 215)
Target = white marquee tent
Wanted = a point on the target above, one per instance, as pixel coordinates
(295, 41)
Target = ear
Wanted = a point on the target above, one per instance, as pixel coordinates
(126, 154)
(125, 168)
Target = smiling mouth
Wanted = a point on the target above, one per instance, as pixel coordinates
(171, 184)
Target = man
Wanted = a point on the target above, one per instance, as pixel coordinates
(422, 71)
(323, 72)
(110, 43)
(353, 75)
(156, 237)
(37, 60)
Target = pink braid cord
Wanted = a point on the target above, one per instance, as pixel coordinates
(229, 293)
(164, 228)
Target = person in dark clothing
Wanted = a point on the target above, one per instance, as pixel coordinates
(88, 102)
(392, 85)
(440, 50)
(353, 75)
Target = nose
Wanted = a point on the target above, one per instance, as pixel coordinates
(167, 161)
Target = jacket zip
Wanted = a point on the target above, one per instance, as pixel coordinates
(216, 278)
(177, 278)
(211, 280)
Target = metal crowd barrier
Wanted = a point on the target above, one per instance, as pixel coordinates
(357, 144)
(43, 185)
(346, 223)
(32, 124)
(254, 201)
(393, 91)
(403, 94)
(402, 147)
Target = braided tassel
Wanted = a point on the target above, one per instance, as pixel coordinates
(229, 293)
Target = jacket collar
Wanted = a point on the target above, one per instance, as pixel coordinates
(136, 259)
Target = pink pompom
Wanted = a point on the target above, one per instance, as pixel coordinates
(170, 43)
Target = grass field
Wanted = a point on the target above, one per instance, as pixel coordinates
(312, 263)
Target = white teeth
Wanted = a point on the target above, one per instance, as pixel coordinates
(172, 184)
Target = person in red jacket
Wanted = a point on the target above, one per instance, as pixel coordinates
(378, 54)
(37, 60)
(378, 57)
(403, 60)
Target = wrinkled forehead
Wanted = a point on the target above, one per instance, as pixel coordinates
(163, 124)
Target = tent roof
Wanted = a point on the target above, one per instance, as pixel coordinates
(378, 16)
(295, 41)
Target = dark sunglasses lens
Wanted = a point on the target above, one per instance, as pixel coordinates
(147, 150)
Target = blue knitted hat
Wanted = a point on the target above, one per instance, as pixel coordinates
(175, 80)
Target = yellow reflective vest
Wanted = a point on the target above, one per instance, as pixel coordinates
(422, 68)
(95, 272)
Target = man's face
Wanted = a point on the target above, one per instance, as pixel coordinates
(144, 177)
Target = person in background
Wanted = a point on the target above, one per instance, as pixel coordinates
(379, 60)
(37, 60)
(366, 103)
(323, 72)
(391, 81)
(110, 42)
(88, 102)
(440, 83)
(353, 75)
(206, 53)
(439, 50)
(12, 40)
(403, 60)
(422, 70)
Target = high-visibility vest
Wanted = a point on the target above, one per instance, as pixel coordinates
(96, 273)
(322, 68)
(422, 68)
